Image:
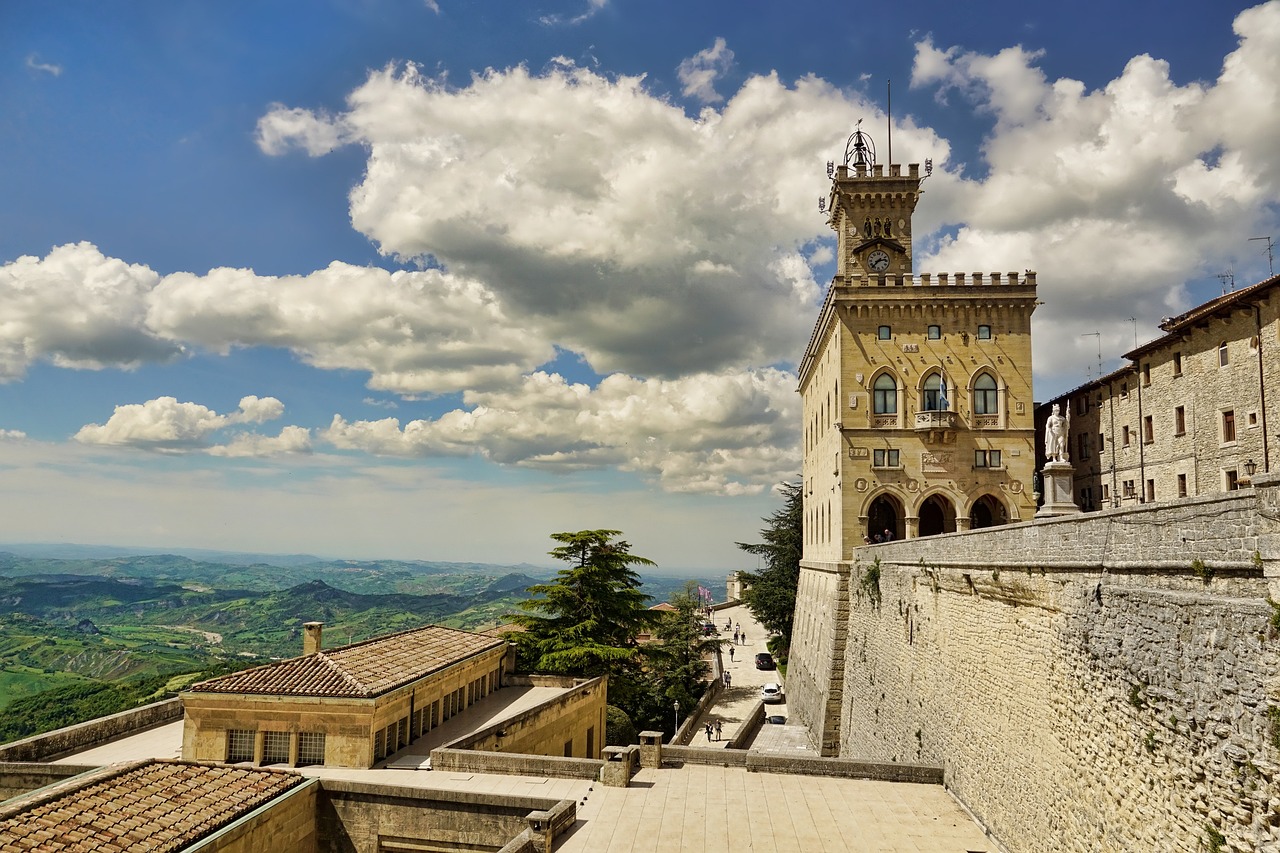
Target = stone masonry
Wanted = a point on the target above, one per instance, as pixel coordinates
(1097, 682)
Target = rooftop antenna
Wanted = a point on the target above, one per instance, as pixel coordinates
(1134, 321)
(1228, 280)
(888, 115)
(1271, 264)
(1098, 336)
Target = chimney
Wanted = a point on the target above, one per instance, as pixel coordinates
(311, 637)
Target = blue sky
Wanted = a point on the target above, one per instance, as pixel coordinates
(435, 279)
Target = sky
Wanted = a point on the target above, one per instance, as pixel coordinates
(432, 279)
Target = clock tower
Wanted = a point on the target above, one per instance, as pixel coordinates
(871, 212)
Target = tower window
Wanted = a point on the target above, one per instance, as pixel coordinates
(1182, 485)
(886, 333)
(886, 395)
(1223, 358)
(1228, 426)
(935, 333)
(935, 394)
(1177, 364)
(986, 401)
(984, 333)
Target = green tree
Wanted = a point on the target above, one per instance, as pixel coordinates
(678, 664)
(771, 591)
(586, 621)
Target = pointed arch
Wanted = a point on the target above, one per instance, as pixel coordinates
(884, 391)
(936, 514)
(935, 391)
(985, 393)
(987, 510)
(884, 511)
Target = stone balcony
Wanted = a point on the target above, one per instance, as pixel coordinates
(939, 426)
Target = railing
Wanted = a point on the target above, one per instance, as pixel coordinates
(884, 421)
(986, 421)
(935, 420)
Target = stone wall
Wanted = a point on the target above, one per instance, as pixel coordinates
(1103, 682)
(287, 823)
(77, 738)
(569, 725)
(356, 817)
(815, 670)
(20, 777)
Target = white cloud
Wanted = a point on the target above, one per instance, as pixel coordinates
(292, 439)
(282, 129)
(593, 6)
(76, 308)
(421, 332)
(166, 425)
(34, 64)
(612, 223)
(12, 435)
(698, 73)
(1118, 195)
(726, 434)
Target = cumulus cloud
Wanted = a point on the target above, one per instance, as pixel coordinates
(717, 433)
(166, 425)
(649, 241)
(76, 308)
(282, 129)
(414, 332)
(1118, 195)
(698, 73)
(12, 435)
(291, 440)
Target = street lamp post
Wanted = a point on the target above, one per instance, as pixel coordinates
(676, 705)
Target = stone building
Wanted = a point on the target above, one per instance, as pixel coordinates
(1190, 414)
(348, 707)
(918, 413)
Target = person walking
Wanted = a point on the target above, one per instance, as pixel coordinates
(719, 729)
(731, 654)
(708, 730)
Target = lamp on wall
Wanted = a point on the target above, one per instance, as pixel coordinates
(1250, 467)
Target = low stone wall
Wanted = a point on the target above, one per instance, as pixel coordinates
(674, 756)
(59, 742)
(573, 722)
(475, 761)
(358, 817)
(759, 762)
(746, 734)
(1109, 681)
(21, 777)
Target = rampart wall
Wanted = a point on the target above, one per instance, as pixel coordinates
(1101, 682)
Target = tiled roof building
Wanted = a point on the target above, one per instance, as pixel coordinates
(152, 807)
(349, 707)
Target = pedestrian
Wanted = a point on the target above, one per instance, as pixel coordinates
(719, 729)
(708, 730)
(888, 535)
(735, 638)
(866, 540)
(731, 654)
(744, 639)
(726, 678)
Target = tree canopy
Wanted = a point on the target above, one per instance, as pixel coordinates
(585, 622)
(770, 593)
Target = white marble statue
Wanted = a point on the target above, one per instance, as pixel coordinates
(1056, 432)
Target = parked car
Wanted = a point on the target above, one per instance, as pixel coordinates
(771, 692)
(708, 628)
(776, 719)
(764, 660)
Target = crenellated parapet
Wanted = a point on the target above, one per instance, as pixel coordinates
(956, 279)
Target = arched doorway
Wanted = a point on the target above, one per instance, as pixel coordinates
(884, 514)
(987, 511)
(937, 515)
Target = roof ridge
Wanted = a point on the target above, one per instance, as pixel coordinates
(339, 670)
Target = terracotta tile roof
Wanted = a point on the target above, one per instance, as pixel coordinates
(361, 670)
(154, 807)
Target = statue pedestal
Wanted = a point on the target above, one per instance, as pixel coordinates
(1059, 490)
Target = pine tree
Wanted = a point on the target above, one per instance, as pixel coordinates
(771, 592)
(586, 621)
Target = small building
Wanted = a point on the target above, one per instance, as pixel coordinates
(348, 707)
(1189, 415)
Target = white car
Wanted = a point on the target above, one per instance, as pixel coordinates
(771, 692)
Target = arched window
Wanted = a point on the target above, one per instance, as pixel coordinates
(935, 394)
(985, 399)
(886, 395)
(1223, 358)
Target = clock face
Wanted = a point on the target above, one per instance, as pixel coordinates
(878, 260)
